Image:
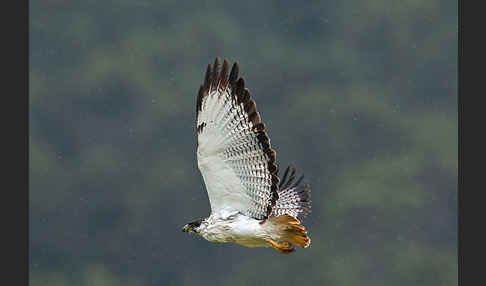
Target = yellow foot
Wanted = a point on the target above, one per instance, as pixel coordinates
(283, 247)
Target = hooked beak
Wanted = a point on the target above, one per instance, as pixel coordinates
(186, 228)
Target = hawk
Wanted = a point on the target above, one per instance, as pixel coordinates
(250, 205)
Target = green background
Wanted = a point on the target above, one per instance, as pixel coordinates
(360, 95)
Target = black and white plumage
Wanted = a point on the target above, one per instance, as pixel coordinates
(249, 204)
(294, 199)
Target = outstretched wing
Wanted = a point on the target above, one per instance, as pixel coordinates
(234, 153)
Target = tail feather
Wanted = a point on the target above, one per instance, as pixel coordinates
(290, 230)
(294, 199)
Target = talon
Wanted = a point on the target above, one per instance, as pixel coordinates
(283, 247)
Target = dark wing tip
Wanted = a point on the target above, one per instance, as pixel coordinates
(200, 96)
(238, 90)
(233, 74)
(207, 77)
(216, 75)
(224, 74)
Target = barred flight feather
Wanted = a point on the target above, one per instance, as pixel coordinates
(234, 152)
(293, 199)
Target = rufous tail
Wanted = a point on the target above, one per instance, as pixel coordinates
(291, 231)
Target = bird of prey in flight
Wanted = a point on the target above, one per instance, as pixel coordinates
(250, 205)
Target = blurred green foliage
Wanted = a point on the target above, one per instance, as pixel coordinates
(360, 95)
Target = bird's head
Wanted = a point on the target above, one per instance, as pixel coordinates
(193, 226)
